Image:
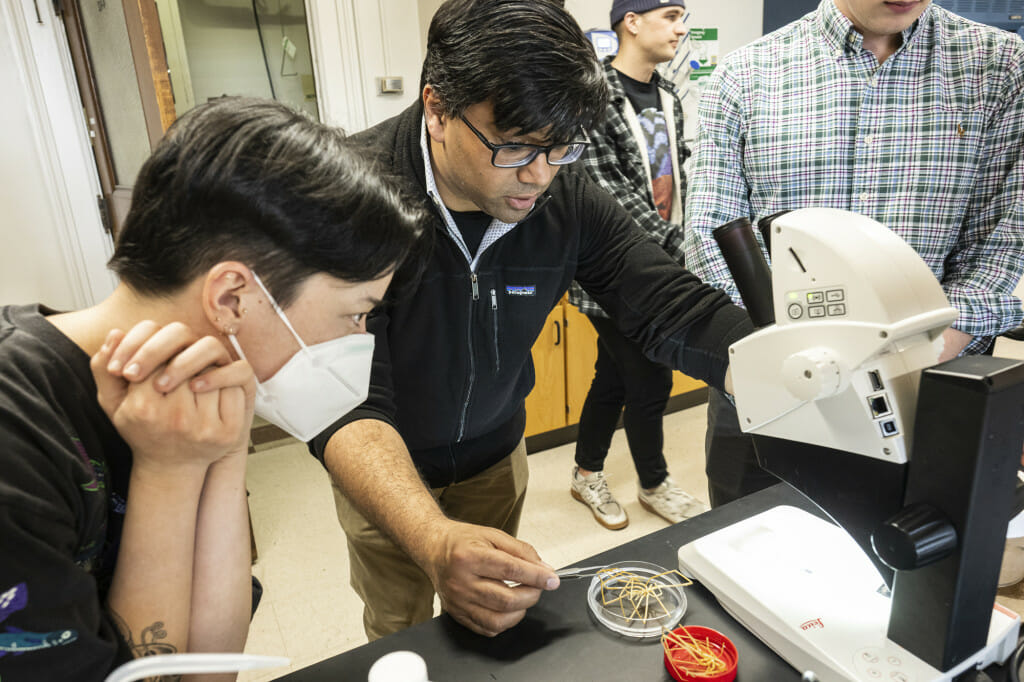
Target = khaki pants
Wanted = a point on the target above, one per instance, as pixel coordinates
(395, 592)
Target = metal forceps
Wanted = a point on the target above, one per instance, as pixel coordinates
(579, 571)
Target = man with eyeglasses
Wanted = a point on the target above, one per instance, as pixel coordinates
(430, 472)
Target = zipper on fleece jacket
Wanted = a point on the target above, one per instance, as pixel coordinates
(494, 317)
(475, 296)
(456, 238)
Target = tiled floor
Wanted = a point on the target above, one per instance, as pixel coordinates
(309, 612)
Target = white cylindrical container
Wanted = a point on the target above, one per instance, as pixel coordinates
(399, 666)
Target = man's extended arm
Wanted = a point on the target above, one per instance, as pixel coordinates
(370, 463)
(467, 564)
(678, 320)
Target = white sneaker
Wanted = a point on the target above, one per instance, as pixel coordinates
(592, 490)
(670, 502)
(1011, 571)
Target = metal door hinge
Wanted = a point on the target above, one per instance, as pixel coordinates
(104, 207)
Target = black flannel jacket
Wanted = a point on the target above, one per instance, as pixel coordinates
(617, 161)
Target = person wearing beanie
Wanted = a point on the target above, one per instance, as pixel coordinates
(620, 8)
(637, 154)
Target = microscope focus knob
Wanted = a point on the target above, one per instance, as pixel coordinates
(813, 373)
(914, 537)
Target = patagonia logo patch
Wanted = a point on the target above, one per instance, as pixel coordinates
(521, 290)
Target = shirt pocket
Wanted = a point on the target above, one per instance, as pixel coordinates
(944, 154)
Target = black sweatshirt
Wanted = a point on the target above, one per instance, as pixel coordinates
(452, 364)
(62, 501)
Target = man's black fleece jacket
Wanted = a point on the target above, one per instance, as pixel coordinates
(452, 364)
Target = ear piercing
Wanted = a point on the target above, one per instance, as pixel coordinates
(230, 329)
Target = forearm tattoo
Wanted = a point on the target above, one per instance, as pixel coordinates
(149, 643)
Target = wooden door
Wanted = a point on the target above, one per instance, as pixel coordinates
(580, 356)
(563, 359)
(684, 384)
(121, 71)
(121, 64)
(545, 406)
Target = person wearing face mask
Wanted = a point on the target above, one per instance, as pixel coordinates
(256, 243)
(318, 383)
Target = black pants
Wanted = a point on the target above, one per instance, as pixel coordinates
(624, 377)
(730, 459)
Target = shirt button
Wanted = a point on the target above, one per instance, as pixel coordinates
(864, 196)
(870, 139)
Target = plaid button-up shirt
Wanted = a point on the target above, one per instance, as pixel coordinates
(618, 162)
(930, 144)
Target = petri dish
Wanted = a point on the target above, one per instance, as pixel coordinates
(637, 599)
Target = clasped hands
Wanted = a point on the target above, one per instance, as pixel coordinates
(177, 399)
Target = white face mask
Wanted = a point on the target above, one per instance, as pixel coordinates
(318, 385)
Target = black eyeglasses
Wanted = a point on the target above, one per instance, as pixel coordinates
(516, 155)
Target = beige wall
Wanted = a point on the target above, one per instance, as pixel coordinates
(739, 21)
(395, 50)
(426, 11)
(590, 13)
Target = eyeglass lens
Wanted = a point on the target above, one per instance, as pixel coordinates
(522, 155)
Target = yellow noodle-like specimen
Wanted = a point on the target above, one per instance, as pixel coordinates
(706, 658)
(633, 592)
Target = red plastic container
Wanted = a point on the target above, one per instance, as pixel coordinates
(721, 645)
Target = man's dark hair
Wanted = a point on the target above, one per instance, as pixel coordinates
(254, 181)
(529, 58)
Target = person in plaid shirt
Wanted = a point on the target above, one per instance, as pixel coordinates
(900, 111)
(637, 155)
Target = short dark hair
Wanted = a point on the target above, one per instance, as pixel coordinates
(255, 181)
(529, 58)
